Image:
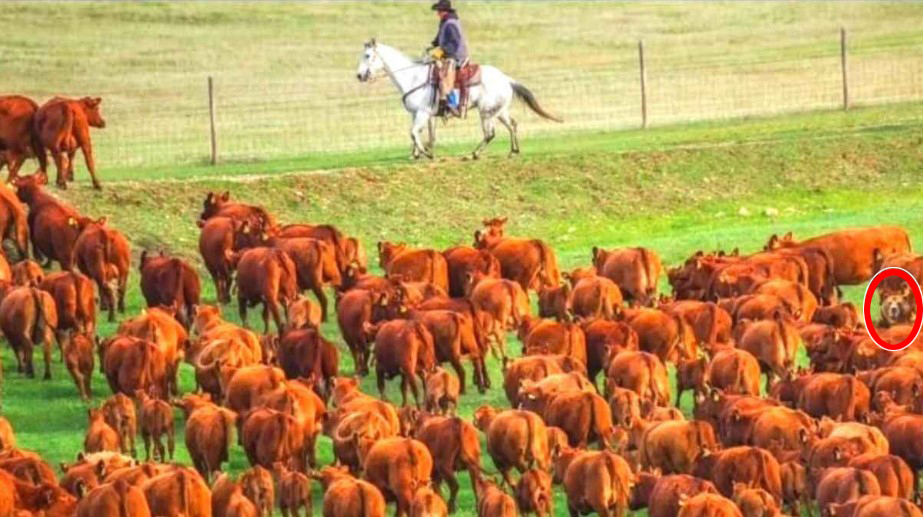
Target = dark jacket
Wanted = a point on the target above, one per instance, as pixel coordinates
(451, 38)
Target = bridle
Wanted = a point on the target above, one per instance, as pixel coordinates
(392, 74)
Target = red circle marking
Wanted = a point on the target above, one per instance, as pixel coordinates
(867, 308)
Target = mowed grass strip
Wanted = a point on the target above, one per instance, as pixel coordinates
(675, 200)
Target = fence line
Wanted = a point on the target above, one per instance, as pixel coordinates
(173, 123)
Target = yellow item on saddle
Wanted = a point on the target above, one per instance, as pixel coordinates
(437, 53)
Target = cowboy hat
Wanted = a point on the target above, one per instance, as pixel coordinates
(443, 5)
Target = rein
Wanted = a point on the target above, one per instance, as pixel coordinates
(391, 73)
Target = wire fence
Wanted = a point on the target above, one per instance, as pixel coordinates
(168, 124)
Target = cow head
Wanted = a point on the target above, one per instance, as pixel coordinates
(90, 107)
(495, 226)
(213, 203)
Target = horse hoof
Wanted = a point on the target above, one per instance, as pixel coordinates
(474, 156)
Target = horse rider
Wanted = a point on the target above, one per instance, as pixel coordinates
(450, 52)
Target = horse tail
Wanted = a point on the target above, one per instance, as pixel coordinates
(526, 96)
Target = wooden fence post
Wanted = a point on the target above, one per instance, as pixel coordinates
(643, 85)
(211, 119)
(844, 68)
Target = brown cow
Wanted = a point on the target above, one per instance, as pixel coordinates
(755, 502)
(554, 302)
(120, 414)
(355, 308)
(454, 445)
(598, 482)
(315, 266)
(773, 342)
(156, 420)
(605, 339)
(852, 250)
(708, 505)
(220, 205)
(75, 303)
(734, 371)
(268, 436)
(302, 312)
(63, 125)
(583, 416)
(504, 302)
(249, 384)
(794, 294)
(463, 261)
(533, 493)
(267, 276)
(841, 397)
(402, 347)
(180, 492)
(131, 364)
(414, 265)
(219, 239)
(100, 436)
(894, 476)
(710, 323)
(843, 484)
(161, 328)
(27, 273)
(427, 503)
(742, 464)
(456, 333)
(596, 297)
(228, 499)
(642, 373)
(529, 262)
(53, 225)
(397, 467)
(116, 499)
(78, 358)
(673, 446)
(636, 271)
(515, 439)
(208, 433)
(346, 496)
(841, 316)
(905, 436)
(28, 317)
(294, 491)
(304, 352)
(103, 254)
(298, 399)
(17, 139)
(665, 495)
(171, 282)
(875, 506)
(442, 391)
(543, 337)
(667, 336)
(348, 252)
(258, 486)
(210, 326)
(535, 395)
(492, 501)
(535, 368)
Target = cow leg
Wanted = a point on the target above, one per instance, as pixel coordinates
(460, 371)
(91, 163)
(318, 291)
(147, 445)
(405, 381)
(46, 355)
(60, 163)
(242, 308)
(15, 162)
(487, 125)
(70, 164)
(274, 309)
(508, 477)
(380, 381)
(510, 123)
(452, 481)
(266, 318)
(123, 286)
(27, 356)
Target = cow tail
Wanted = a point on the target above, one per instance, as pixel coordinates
(478, 330)
(764, 473)
(413, 464)
(738, 374)
(617, 489)
(896, 467)
(783, 336)
(361, 488)
(861, 481)
(427, 341)
(41, 319)
(121, 489)
(646, 266)
(650, 379)
(339, 250)
(514, 305)
(183, 491)
(680, 342)
(548, 264)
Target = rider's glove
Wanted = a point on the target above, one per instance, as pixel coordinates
(437, 53)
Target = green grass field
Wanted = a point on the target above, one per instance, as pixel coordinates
(675, 188)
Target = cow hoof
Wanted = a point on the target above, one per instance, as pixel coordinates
(97, 186)
(61, 185)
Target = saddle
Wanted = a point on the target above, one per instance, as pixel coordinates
(465, 77)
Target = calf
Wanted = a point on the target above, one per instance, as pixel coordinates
(220, 205)
(269, 436)
(668, 491)
(119, 412)
(131, 364)
(294, 491)
(229, 500)
(673, 446)
(208, 433)
(463, 261)
(28, 317)
(595, 297)
(554, 302)
(258, 486)
(27, 273)
(492, 501)
(773, 342)
(454, 445)
(636, 271)
(267, 276)
(78, 358)
(427, 503)
(75, 303)
(100, 436)
(156, 419)
(113, 500)
(302, 312)
(642, 373)
(442, 392)
(171, 282)
(533, 493)
(711, 505)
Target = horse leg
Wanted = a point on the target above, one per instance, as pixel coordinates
(419, 121)
(511, 125)
(431, 129)
(487, 125)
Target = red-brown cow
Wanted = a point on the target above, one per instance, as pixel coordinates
(414, 265)
(28, 317)
(529, 262)
(53, 226)
(14, 222)
(171, 282)
(635, 270)
(463, 261)
(63, 125)
(103, 254)
(131, 364)
(402, 347)
(267, 276)
(17, 139)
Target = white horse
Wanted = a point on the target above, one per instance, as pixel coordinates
(492, 96)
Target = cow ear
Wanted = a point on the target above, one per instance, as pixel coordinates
(226, 196)
(788, 236)
(503, 220)
(102, 220)
(595, 252)
(97, 101)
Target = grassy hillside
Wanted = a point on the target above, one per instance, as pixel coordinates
(675, 190)
(285, 72)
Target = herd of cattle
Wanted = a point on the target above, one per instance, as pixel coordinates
(844, 437)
